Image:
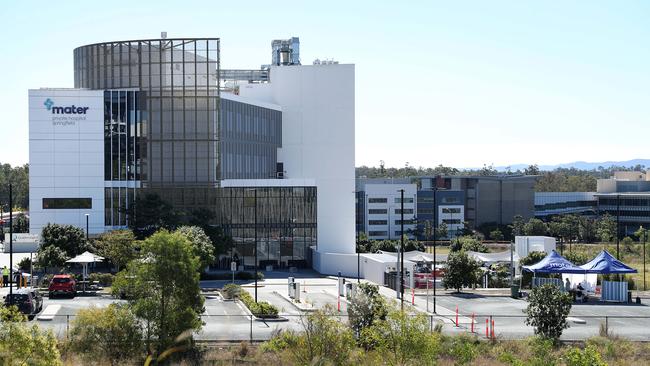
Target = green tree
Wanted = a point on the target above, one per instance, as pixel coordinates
(51, 256)
(201, 244)
(118, 246)
(606, 228)
(21, 344)
(496, 235)
(163, 287)
(70, 239)
(517, 225)
(532, 169)
(468, 243)
(18, 176)
(442, 231)
(25, 264)
(112, 333)
(21, 223)
(149, 213)
(587, 230)
(365, 309)
(535, 227)
(205, 219)
(548, 308)
(462, 271)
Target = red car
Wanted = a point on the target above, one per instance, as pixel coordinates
(62, 284)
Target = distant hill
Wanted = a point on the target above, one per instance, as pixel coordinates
(582, 165)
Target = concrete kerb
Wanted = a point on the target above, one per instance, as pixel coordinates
(300, 306)
(265, 320)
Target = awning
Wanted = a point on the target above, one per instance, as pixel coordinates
(501, 257)
(554, 263)
(605, 263)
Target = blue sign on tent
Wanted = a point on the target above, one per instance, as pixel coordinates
(554, 263)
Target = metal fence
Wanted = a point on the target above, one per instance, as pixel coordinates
(235, 328)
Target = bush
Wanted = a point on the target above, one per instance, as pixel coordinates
(260, 309)
(366, 308)
(587, 357)
(21, 344)
(577, 258)
(231, 291)
(547, 311)
(325, 340)
(104, 279)
(111, 333)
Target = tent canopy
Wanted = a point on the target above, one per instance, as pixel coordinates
(554, 263)
(605, 263)
(489, 258)
(86, 257)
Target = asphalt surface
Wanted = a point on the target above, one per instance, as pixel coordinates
(230, 321)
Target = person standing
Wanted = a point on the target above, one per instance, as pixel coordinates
(5, 276)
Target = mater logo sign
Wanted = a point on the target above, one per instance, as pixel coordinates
(65, 116)
(49, 104)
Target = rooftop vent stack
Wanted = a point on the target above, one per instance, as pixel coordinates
(163, 35)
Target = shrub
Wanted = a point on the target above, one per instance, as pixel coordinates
(324, 340)
(104, 279)
(463, 350)
(547, 311)
(365, 309)
(587, 357)
(21, 344)
(260, 309)
(231, 291)
(111, 333)
(405, 339)
(577, 258)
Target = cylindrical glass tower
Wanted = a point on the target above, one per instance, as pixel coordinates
(178, 81)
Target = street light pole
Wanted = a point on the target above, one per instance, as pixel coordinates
(401, 273)
(11, 244)
(618, 218)
(435, 227)
(87, 216)
(645, 237)
(255, 214)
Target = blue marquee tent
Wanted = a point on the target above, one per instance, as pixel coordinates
(605, 263)
(554, 263)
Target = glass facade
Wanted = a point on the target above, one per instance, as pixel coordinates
(67, 203)
(282, 218)
(123, 115)
(179, 79)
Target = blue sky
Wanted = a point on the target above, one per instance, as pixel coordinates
(454, 83)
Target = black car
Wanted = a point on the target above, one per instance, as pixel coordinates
(29, 301)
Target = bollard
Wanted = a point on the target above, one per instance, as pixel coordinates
(487, 335)
(338, 303)
(456, 315)
(413, 296)
(472, 322)
(492, 328)
(67, 325)
(251, 329)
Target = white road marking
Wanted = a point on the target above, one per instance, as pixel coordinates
(49, 312)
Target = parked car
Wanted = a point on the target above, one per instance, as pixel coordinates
(62, 284)
(28, 300)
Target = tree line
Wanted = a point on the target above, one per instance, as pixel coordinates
(557, 180)
(18, 176)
